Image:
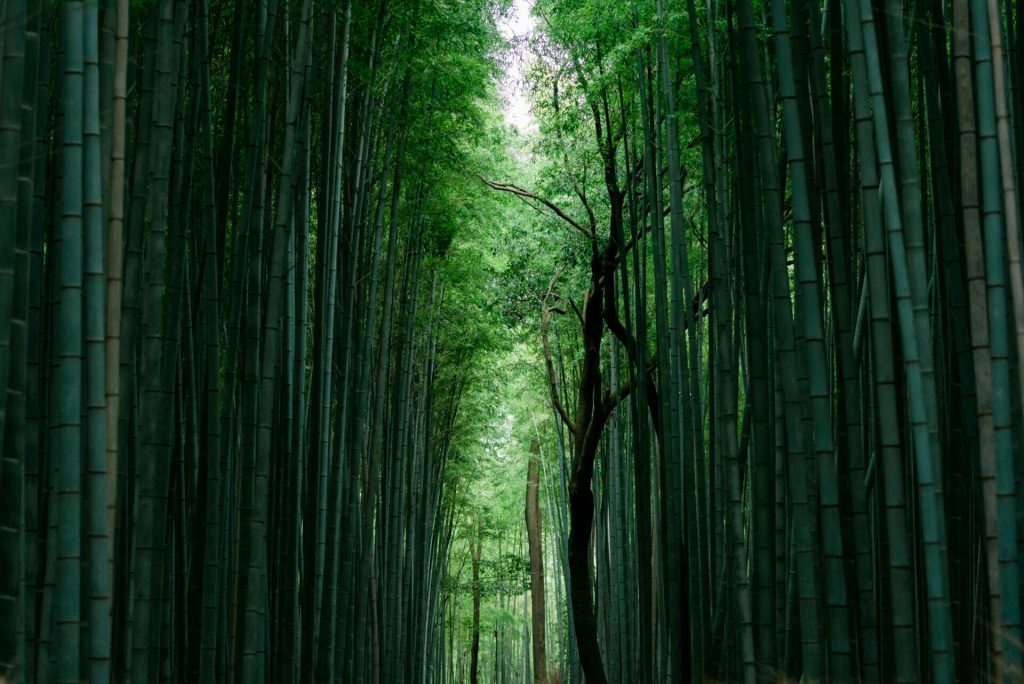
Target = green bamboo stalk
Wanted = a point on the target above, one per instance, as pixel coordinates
(850, 428)
(723, 361)
(888, 431)
(757, 393)
(804, 541)
(907, 262)
(17, 76)
(638, 470)
(12, 76)
(642, 464)
(66, 398)
(38, 328)
(995, 238)
(1008, 183)
(976, 286)
(256, 571)
(667, 354)
(962, 426)
(806, 275)
(314, 515)
(19, 436)
(248, 265)
(97, 550)
(115, 259)
(215, 470)
(1010, 501)
(685, 371)
(130, 317)
(154, 463)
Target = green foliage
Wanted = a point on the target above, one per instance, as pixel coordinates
(506, 573)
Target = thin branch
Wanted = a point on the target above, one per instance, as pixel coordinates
(526, 194)
(576, 308)
(586, 205)
(548, 361)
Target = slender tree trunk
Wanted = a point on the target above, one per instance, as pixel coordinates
(534, 534)
(475, 550)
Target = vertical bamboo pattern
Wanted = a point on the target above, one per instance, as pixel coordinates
(296, 295)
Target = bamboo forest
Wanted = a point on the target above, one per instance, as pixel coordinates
(511, 341)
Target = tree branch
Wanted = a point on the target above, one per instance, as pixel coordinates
(549, 362)
(579, 314)
(625, 337)
(617, 254)
(526, 194)
(612, 399)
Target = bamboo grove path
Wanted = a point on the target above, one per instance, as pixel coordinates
(444, 341)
